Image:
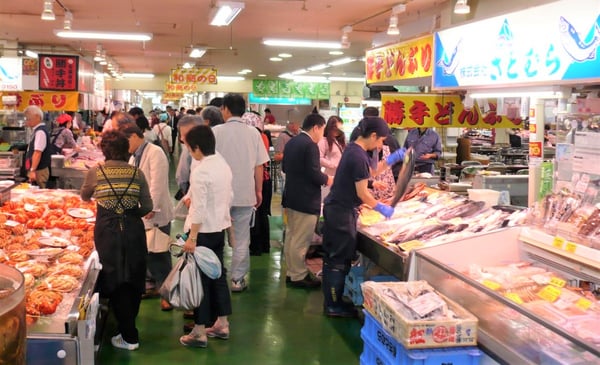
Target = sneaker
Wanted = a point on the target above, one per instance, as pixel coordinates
(192, 341)
(238, 286)
(118, 342)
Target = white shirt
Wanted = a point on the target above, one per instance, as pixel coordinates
(243, 149)
(163, 131)
(211, 195)
(40, 137)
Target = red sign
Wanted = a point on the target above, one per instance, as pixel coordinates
(59, 73)
(535, 149)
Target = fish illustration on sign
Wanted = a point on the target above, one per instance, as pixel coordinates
(5, 75)
(573, 44)
(449, 64)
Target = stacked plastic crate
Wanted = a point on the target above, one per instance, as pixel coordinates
(355, 277)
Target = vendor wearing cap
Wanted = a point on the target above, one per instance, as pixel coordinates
(348, 192)
(62, 136)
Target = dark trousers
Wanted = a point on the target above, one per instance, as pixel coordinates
(216, 301)
(260, 234)
(125, 304)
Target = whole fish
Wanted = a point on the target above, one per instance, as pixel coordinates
(463, 210)
(406, 173)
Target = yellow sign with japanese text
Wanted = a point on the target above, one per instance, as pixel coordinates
(406, 60)
(49, 101)
(198, 75)
(188, 87)
(440, 110)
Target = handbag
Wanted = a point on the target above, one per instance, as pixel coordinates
(157, 240)
(183, 286)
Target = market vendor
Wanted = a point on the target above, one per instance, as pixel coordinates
(427, 146)
(348, 192)
(62, 137)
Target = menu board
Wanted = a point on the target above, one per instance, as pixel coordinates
(58, 72)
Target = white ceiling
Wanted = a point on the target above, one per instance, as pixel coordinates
(236, 47)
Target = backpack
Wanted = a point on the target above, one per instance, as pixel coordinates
(163, 142)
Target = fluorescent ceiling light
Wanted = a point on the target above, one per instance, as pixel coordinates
(115, 36)
(262, 75)
(245, 71)
(197, 52)
(325, 73)
(230, 78)
(336, 53)
(31, 54)
(531, 94)
(300, 72)
(284, 55)
(310, 79)
(48, 12)
(461, 7)
(300, 43)
(318, 67)
(138, 75)
(275, 59)
(342, 61)
(224, 12)
(348, 79)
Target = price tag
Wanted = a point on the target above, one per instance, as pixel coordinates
(491, 284)
(558, 242)
(581, 186)
(570, 247)
(557, 282)
(410, 245)
(583, 304)
(549, 293)
(514, 297)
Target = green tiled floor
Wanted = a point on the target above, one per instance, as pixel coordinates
(271, 324)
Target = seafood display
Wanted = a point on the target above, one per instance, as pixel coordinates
(406, 173)
(39, 238)
(433, 217)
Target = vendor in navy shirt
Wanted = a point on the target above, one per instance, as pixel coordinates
(427, 146)
(348, 192)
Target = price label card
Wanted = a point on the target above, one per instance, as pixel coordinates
(557, 282)
(410, 245)
(491, 284)
(549, 293)
(558, 242)
(570, 247)
(583, 304)
(581, 186)
(514, 297)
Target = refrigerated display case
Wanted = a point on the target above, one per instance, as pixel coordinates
(510, 330)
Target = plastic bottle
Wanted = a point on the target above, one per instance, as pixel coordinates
(181, 238)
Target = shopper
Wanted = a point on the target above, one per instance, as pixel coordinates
(427, 146)
(302, 198)
(122, 197)
(260, 241)
(211, 195)
(150, 159)
(269, 117)
(331, 147)
(244, 151)
(37, 157)
(340, 211)
(163, 132)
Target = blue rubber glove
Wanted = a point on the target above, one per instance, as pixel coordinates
(385, 210)
(396, 156)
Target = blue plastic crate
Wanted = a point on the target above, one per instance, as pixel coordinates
(355, 277)
(380, 348)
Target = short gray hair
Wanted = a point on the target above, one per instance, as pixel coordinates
(190, 120)
(34, 109)
(213, 115)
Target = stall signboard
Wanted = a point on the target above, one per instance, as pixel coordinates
(439, 110)
(11, 74)
(59, 73)
(182, 88)
(402, 61)
(290, 89)
(546, 45)
(47, 101)
(199, 75)
(172, 96)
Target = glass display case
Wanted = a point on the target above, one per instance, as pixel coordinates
(511, 330)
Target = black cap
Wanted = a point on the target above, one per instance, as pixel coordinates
(375, 124)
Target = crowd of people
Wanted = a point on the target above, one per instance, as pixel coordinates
(224, 180)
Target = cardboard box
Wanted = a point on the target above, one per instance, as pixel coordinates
(415, 334)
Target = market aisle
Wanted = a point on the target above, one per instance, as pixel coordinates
(271, 324)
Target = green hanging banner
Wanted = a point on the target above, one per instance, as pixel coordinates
(290, 89)
(546, 180)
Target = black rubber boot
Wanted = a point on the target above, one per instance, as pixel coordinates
(333, 290)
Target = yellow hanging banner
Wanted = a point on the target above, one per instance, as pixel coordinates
(49, 101)
(440, 110)
(402, 61)
(199, 75)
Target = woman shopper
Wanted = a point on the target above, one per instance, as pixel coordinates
(331, 148)
(123, 198)
(210, 194)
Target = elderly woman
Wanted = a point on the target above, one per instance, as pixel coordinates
(123, 198)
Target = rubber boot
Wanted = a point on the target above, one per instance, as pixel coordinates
(333, 290)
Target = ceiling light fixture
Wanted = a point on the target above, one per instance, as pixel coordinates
(336, 53)
(318, 67)
(275, 59)
(114, 36)
(31, 54)
(197, 52)
(98, 54)
(462, 7)
(138, 75)
(345, 42)
(393, 27)
(300, 43)
(284, 55)
(300, 72)
(48, 12)
(68, 20)
(230, 78)
(187, 65)
(342, 61)
(224, 12)
(347, 79)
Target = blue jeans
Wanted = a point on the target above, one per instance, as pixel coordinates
(240, 259)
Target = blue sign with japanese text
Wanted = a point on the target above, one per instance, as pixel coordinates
(546, 45)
